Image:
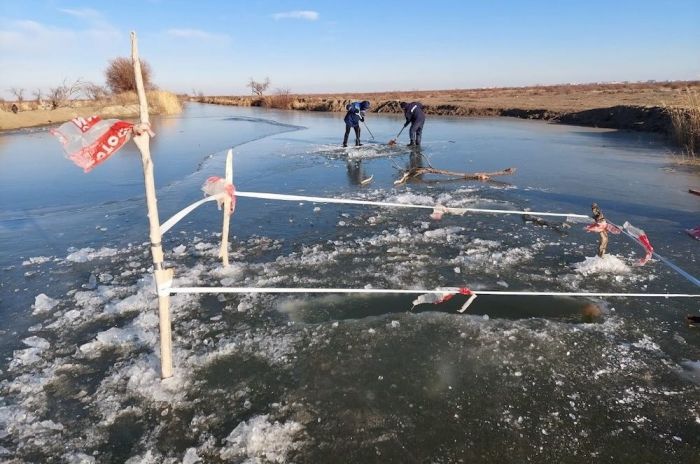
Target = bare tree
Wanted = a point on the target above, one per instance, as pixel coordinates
(258, 88)
(95, 91)
(59, 96)
(198, 94)
(18, 93)
(120, 75)
(38, 98)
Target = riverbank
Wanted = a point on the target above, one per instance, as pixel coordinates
(638, 106)
(121, 106)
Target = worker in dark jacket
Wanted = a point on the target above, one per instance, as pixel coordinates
(416, 118)
(355, 114)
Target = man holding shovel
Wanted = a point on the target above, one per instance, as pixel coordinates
(355, 114)
(416, 118)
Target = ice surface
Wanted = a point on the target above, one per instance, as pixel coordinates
(542, 367)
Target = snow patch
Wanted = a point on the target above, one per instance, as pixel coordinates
(43, 304)
(608, 264)
(78, 458)
(36, 260)
(692, 371)
(88, 254)
(259, 439)
(36, 342)
(114, 337)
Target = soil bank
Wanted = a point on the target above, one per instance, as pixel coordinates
(631, 106)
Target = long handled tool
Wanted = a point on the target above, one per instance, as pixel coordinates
(370, 132)
(393, 141)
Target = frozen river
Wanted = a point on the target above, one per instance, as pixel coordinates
(339, 378)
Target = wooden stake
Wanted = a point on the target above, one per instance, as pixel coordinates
(162, 276)
(227, 210)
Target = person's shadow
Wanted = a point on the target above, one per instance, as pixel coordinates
(356, 173)
(416, 160)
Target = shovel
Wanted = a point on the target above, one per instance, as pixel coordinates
(370, 132)
(392, 142)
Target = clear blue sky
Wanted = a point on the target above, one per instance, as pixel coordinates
(320, 46)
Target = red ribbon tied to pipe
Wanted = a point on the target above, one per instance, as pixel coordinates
(643, 240)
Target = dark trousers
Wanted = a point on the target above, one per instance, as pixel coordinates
(347, 133)
(416, 131)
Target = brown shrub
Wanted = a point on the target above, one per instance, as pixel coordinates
(95, 92)
(281, 99)
(120, 75)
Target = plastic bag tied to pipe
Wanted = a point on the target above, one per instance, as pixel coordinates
(216, 186)
(90, 141)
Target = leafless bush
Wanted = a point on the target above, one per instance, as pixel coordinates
(120, 75)
(18, 94)
(258, 88)
(95, 92)
(61, 95)
(281, 99)
(198, 95)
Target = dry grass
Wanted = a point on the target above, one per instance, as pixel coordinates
(159, 101)
(125, 98)
(556, 98)
(164, 102)
(124, 105)
(282, 99)
(685, 121)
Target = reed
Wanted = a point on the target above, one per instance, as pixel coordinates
(282, 99)
(159, 101)
(685, 126)
(164, 102)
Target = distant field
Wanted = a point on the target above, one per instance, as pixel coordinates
(633, 106)
(556, 98)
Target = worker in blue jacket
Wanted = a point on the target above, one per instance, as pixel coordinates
(355, 114)
(416, 118)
